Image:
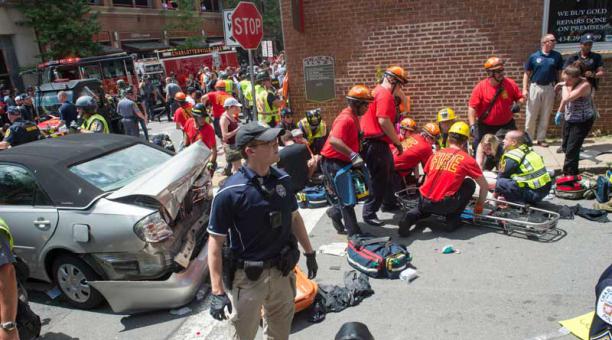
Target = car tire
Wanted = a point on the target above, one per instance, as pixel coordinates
(72, 275)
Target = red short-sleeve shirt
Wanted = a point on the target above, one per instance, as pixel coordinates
(501, 113)
(217, 99)
(382, 106)
(416, 150)
(181, 116)
(346, 128)
(206, 134)
(445, 171)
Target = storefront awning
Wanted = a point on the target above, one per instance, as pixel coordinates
(199, 44)
(144, 46)
(109, 49)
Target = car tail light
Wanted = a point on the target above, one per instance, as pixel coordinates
(153, 228)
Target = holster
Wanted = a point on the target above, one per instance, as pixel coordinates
(253, 269)
(229, 267)
(289, 257)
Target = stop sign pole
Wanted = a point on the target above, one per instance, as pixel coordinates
(247, 29)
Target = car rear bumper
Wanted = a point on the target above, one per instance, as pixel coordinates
(137, 296)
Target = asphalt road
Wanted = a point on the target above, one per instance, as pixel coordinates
(498, 286)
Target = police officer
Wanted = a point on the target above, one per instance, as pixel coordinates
(601, 326)
(246, 93)
(523, 176)
(8, 281)
(266, 99)
(341, 149)
(92, 122)
(314, 129)
(130, 113)
(257, 208)
(378, 126)
(446, 190)
(287, 122)
(21, 131)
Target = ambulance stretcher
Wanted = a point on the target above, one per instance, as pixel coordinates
(510, 218)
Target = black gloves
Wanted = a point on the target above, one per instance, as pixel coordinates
(311, 264)
(516, 107)
(289, 257)
(217, 306)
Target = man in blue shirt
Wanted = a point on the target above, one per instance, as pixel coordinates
(542, 71)
(257, 209)
(67, 111)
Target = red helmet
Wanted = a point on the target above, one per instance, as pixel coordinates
(397, 73)
(180, 97)
(431, 129)
(494, 63)
(408, 124)
(360, 93)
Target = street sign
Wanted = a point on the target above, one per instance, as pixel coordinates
(247, 25)
(227, 28)
(266, 48)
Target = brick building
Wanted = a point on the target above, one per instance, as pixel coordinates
(442, 44)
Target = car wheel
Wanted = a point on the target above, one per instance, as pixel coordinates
(72, 276)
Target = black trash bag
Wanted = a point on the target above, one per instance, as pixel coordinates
(316, 311)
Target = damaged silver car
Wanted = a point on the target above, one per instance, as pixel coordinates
(109, 217)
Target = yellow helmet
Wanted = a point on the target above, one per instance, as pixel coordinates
(460, 128)
(446, 114)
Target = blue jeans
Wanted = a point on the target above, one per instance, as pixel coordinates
(513, 193)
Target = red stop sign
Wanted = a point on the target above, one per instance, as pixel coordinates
(247, 25)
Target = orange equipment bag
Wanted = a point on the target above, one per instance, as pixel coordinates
(306, 290)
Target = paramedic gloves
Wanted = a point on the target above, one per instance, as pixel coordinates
(356, 160)
(311, 264)
(217, 307)
(478, 208)
(558, 117)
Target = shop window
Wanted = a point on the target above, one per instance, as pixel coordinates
(132, 3)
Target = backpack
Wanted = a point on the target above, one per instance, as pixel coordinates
(377, 256)
(313, 197)
(602, 191)
(575, 187)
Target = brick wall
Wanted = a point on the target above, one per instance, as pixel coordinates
(442, 45)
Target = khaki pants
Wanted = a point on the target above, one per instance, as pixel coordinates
(272, 291)
(539, 105)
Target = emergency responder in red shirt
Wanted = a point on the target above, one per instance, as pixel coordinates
(378, 126)
(199, 128)
(407, 127)
(486, 115)
(216, 99)
(341, 149)
(446, 190)
(417, 149)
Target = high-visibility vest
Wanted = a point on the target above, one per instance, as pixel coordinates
(4, 227)
(532, 173)
(247, 91)
(87, 123)
(229, 86)
(311, 135)
(264, 112)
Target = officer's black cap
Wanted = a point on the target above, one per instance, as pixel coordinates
(586, 39)
(255, 131)
(603, 295)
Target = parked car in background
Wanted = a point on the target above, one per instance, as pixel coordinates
(109, 217)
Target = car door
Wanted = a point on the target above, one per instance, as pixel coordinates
(28, 211)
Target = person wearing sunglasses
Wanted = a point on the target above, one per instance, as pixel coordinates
(493, 101)
(542, 71)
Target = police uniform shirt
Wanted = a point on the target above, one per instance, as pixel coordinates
(246, 206)
(21, 132)
(6, 256)
(601, 326)
(126, 108)
(592, 62)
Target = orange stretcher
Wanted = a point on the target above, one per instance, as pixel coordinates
(306, 290)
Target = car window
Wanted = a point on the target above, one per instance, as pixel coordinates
(18, 187)
(49, 102)
(115, 170)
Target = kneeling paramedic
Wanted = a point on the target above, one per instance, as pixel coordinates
(446, 190)
(257, 207)
(417, 150)
(342, 149)
(523, 177)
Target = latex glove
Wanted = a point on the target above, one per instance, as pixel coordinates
(217, 307)
(478, 208)
(400, 148)
(311, 264)
(558, 118)
(356, 160)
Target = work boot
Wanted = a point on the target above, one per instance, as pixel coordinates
(373, 220)
(404, 227)
(336, 217)
(390, 208)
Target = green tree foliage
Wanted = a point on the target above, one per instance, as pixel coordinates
(270, 11)
(64, 28)
(185, 18)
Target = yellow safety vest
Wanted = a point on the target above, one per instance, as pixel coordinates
(87, 123)
(532, 173)
(264, 112)
(320, 132)
(247, 91)
(229, 86)
(4, 227)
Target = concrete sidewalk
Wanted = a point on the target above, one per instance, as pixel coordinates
(554, 161)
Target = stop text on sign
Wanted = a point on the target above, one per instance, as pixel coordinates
(248, 26)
